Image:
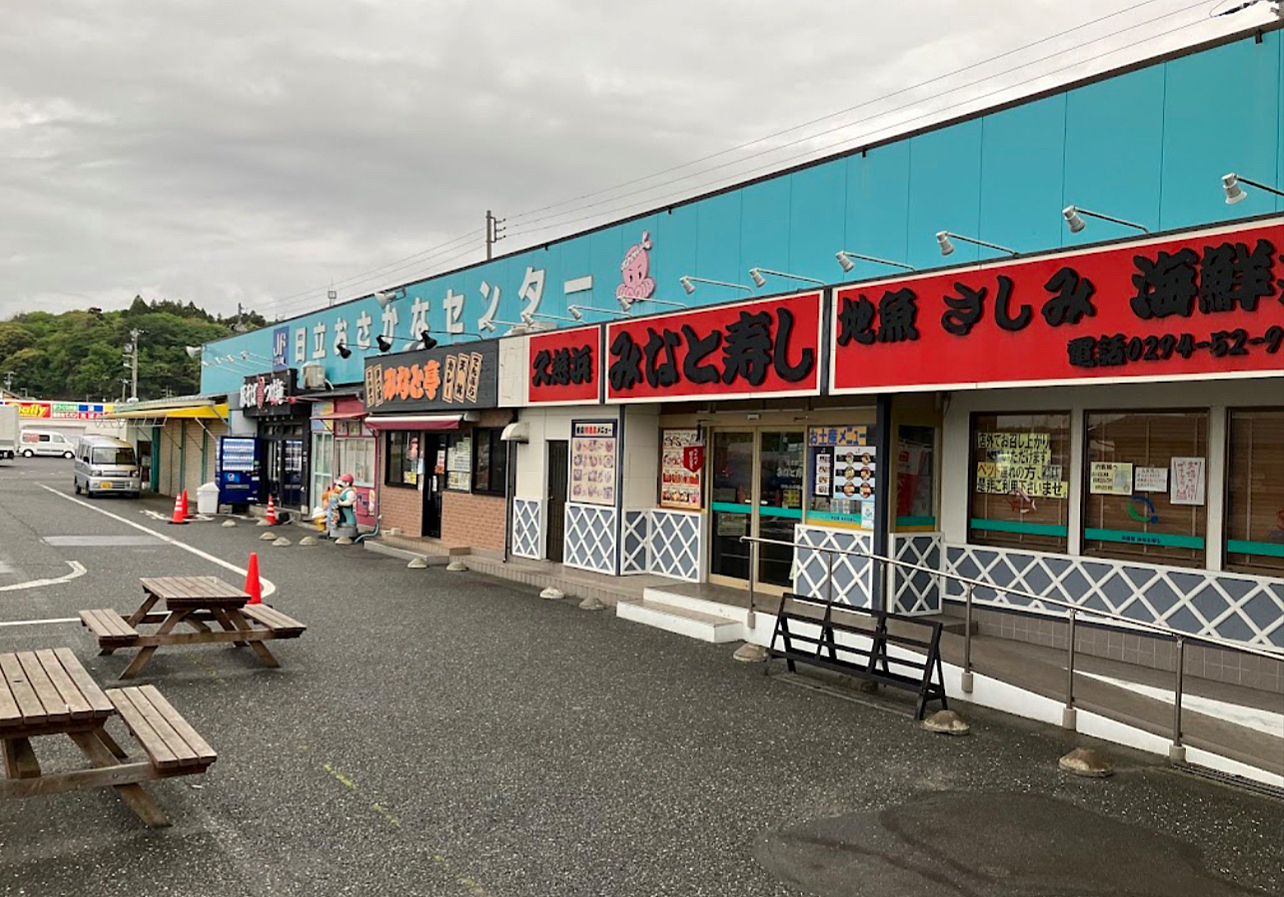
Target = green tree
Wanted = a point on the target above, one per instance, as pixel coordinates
(79, 354)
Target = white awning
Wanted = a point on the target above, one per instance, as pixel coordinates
(518, 431)
(414, 422)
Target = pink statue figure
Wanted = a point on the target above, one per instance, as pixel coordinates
(635, 280)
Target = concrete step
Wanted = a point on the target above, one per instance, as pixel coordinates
(671, 598)
(683, 620)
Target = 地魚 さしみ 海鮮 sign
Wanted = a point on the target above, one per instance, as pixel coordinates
(1196, 304)
(434, 379)
(754, 348)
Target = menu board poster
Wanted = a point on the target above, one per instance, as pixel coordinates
(680, 487)
(593, 475)
(459, 463)
(844, 467)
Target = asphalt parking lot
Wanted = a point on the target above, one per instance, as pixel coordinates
(438, 733)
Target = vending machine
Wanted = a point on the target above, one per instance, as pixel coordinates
(239, 472)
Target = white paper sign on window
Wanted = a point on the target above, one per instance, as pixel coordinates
(1187, 481)
(1151, 479)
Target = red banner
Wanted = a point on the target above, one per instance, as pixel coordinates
(564, 366)
(767, 347)
(1209, 302)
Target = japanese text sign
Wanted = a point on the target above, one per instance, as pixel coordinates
(444, 378)
(565, 366)
(1195, 304)
(767, 347)
(267, 394)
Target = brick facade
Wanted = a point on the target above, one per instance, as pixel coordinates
(474, 521)
(402, 508)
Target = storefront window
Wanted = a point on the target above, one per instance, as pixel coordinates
(915, 473)
(402, 454)
(356, 456)
(1146, 486)
(322, 455)
(1255, 491)
(490, 467)
(459, 462)
(1020, 468)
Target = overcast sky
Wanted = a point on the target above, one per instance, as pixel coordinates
(222, 152)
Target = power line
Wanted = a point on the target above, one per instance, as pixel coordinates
(520, 229)
(382, 271)
(822, 118)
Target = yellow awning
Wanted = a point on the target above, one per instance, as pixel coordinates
(189, 412)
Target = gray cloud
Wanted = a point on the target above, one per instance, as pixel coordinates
(245, 152)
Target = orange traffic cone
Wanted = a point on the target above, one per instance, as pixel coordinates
(178, 511)
(187, 514)
(271, 512)
(252, 586)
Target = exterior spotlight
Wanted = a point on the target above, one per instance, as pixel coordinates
(577, 312)
(383, 342)
(343, 350)
(1236, 194)
(689, 281)
(625, 302)
(755, 274)
(1075, 221)
(193, 351)
(425, 337)
(947, 246)
(528, 319)
(384, 297)
(845, 260)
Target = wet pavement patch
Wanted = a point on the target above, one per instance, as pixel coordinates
(100, 541)
(977, 845)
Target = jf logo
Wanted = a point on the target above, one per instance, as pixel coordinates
(280, 342)
(1147, 514)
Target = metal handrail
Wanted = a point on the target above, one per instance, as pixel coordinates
(1177, 752)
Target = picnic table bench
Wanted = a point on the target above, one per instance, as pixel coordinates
(48, 692)
(199, 602)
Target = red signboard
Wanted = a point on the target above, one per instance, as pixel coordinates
(767, 347)
(564, 366)
(1207, 302)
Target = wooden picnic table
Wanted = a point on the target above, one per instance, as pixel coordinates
(48, 692)
(197, 602)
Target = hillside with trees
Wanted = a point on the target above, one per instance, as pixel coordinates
(79, 355)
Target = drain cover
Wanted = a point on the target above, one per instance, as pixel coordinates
(99, 541)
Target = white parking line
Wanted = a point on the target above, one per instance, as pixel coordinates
(77, 570)
(38, 622)
(268, 587)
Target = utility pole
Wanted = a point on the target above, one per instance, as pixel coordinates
(8, 380)
(494, 233)
(131, 354)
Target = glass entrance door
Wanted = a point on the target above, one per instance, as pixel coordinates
(780, 486)
(756, 484)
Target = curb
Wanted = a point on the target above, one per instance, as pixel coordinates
(405, 555)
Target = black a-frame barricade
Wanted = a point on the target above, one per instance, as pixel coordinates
(865, 652)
